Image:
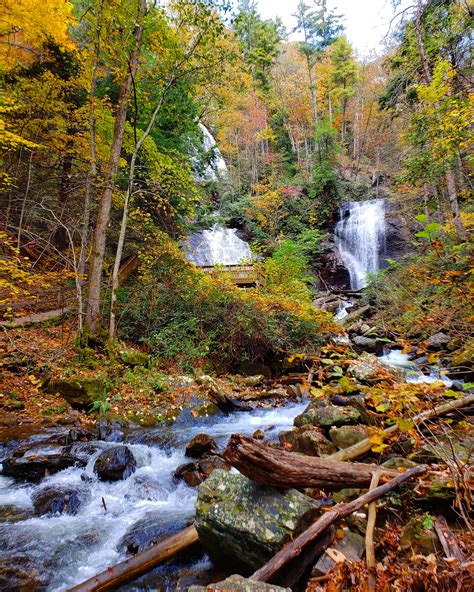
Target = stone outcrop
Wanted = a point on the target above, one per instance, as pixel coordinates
(243, 524)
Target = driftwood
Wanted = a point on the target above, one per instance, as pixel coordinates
(448, 540)
(293, 549)
(365, 446)
(132, 568)
(270, 466)
(369, 535)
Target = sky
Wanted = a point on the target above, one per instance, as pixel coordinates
(366, 22)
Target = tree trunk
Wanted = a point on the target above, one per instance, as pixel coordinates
(100, 234)
(270, 466)
(454, 203)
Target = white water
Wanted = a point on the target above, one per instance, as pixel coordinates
(360, 238)
(68, 549)
(217, 246)
(413, 374)
(217, 166)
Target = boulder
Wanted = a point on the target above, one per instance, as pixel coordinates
(132, 357)
(418, 536)
(58, 500)
(20, 574)
(307, 440)
(115, 464)
(200, 445)
(352, 546)
(258, 434)
(148, 531)
(326, 415)
(367, 344)
(195, 472)
(347, 435)
(244, 524)
(79, 392)
(34, 463)
(438, 341)
(239, 584)
(367, 369)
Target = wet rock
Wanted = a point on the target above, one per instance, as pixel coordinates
(418, 536)
(34, 463)
(239, 584)
(200, 445)
(79, 392)
(11, 513)
(367, 344)
(346, 436)
(326, 415)
(194, 473)
(258, 435)
(307, 440)
(59, 500)
(438, 341)
(242, 523)
(19, 574)
(132, 357)
(110, 431)
(352, 546)
(148, 531)
(115, 464)
(367, 369)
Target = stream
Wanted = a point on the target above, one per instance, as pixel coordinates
(63, 550)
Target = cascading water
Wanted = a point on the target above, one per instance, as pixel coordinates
(217, 166)
(217, 246)
(360, 238)
(61, 550)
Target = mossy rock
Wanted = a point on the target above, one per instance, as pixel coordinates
(398, 462)
(132, 357)
(326, 415)
(442, 452)
(79, 392)
(347, 435)
(418, 536)
(347, 495)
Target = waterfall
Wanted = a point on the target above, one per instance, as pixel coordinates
(360, 238)
(217, 246)
(217, 166)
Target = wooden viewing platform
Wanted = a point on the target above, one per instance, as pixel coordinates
(241, 275)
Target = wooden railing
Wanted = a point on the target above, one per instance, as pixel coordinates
(241, 275)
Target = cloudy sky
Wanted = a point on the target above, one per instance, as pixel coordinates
(366, 21)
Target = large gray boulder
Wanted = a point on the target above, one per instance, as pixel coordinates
(239, 584)
(115, 464)
(326, 416)
(244, 524)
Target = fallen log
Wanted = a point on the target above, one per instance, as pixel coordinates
(132, 568)
(271, 466)
(352, 316)
(293, 549)
(448, 540)
(365, 446)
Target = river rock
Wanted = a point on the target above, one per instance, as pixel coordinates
(200, 445)
(352, 546)
(418, 536)
(326, 415)
(242, 523)
(367, 344)
(398, 462)
(148, 531)
(442, 452)
(239, 584)
(115, 464)
(19, 574)
(307, 440)
(58, 500)
(79, 392)
(438, 341)
(34, 463)
(195, 472)
(346, 435)
(366, 369)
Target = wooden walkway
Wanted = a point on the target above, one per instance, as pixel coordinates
(241, 275)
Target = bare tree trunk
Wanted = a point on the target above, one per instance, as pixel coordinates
(25, 198)
(454, 203)
(95, 279)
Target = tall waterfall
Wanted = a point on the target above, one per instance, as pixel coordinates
(360, 238)
(217, 166)
(217, 246)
